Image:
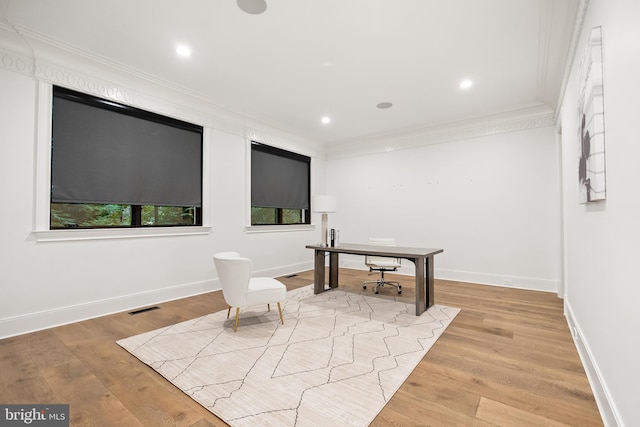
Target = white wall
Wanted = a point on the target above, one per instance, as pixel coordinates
(491, 202)
(48, 283)
(601, 239)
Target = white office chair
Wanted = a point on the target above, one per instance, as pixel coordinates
(382, 264)
(239, 289)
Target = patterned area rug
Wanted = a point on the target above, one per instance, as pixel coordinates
(337, 360)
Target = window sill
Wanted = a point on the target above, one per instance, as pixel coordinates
(117, 233)
(278, 228)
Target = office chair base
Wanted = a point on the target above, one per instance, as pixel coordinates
(380, 283)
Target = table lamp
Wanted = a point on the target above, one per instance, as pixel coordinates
(324, 205)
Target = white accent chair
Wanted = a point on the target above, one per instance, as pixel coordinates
(239, 289)
(382, 264)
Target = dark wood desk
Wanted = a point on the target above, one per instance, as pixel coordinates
(421, 257)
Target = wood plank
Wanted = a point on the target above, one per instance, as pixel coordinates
(501, 414)
(21, 380)
(507, 359)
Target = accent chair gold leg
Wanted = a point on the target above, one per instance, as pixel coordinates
(235, 329)
(280, 311)
(228, 312)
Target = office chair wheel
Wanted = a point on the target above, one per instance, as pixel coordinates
(375, 292)
(364, 286)
(399, 291)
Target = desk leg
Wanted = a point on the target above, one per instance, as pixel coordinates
(430, 281)
(318, 272)
(333, 270)
(424, 284)
(421, 288)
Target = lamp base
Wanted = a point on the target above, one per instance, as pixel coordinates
(323, 236)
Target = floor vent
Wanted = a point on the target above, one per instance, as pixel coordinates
(143, 310)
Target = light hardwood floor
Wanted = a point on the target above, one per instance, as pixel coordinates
(507, 359)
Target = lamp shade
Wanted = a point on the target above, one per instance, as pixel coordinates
(324, 204)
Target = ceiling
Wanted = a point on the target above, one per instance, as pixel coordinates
(302, 60)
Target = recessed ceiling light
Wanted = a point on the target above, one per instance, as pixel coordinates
(466, 84)
(326, 120)
(253, 7)
(384, 105)
(183, 50)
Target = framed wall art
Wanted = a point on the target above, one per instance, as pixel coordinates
(591, 147)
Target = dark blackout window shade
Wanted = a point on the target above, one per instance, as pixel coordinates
(104, 152)
(279, 178)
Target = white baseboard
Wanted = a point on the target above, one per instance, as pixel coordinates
(517, 282)
(32, 322)
(607, 408)
(285, 270)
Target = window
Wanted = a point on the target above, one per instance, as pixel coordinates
(117, 166)
(279, 186)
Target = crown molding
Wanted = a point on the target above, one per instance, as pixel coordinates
(197, 110)
(545, 29)
(583, 5)
(210, 115)
(37, 57)
(525, 118)
(55, 74)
